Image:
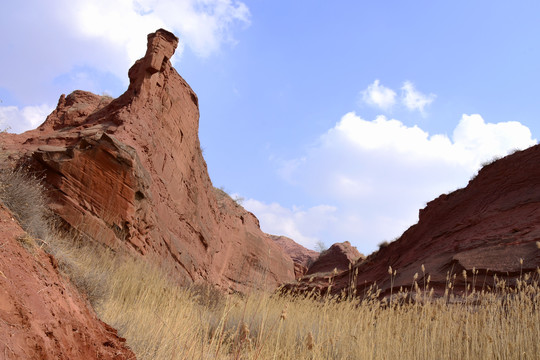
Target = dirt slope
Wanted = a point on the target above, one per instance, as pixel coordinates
(42, 316)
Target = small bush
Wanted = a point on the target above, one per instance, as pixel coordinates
(23, 194)
(491, 161)
(239, 200)
(208, 296)
(222, 194)
(27, 241)
(320, 247)
(383, 244)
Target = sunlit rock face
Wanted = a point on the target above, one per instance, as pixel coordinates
(302, 257)
(129, 173)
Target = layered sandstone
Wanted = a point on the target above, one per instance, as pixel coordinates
(129, 173)
(491, 226)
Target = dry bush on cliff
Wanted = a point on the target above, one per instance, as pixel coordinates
(162, 320)
(23, 193)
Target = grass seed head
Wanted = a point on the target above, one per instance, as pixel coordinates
(244, 332)
(309, 341)
(283, 315)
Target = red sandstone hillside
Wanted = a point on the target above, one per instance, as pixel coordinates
(339, 257)
(42, 316)
(302, 257)
(488, 226)
(129, 173)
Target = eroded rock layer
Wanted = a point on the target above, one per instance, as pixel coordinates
(129, 172)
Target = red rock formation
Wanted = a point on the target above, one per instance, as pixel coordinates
(301, 256)
(339, 256)
(488, 226)
(130, 173)
(42, 316)
(73, 110)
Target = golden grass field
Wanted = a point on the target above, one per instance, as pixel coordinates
(162, 320)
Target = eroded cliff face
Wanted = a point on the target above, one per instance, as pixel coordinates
(129, 173)
(487, 226)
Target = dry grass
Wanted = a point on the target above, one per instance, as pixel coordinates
(23, 193)
(27, 241)
(164, 321)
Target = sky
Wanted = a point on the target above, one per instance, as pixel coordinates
(334, 121)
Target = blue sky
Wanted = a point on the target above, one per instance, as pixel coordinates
(334, 120)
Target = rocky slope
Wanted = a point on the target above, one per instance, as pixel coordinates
(339, 257)
(487, 226)
(129, 172)
(42, 316)
(302, 257)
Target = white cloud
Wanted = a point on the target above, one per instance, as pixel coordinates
(483, 140)
(296, 223)
(378, 174)
(473, 140)
(414, 99)
(203, 25)
(379, 96)
(47, 54)
(19, 120)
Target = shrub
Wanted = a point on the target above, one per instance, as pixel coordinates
(320, 247)
(23, 194)
(222, 194)
(383, 244)
(491, 161)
